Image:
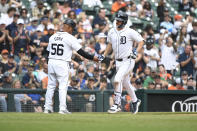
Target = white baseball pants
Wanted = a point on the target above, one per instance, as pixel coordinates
(58, 71)
(122, 79)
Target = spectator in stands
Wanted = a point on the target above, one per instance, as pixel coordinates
(3, 97)
(147, 12)
(37, 57)
(38, 10)
(187, 61)
(188, 22)
(163, 73)
(23, 14)
(178, 21)
(4, 54)
(150, 32)
(36, 99)
(11, 66)
(72, 15)
(133, 10)
(4, 6)
(44, 24)
(44, 78)
(151, 85)
(138, 84)
(9, 16)
(100, 18)
(5, 39)
(167, 24)
(193, 36)
(13, 26)
(35, 41)
(90, 47)
(90, 98)
(30, 77)
(20, 55)
(7, 83)
(103, 28)
(92, 3)
(19, 98)
(33, 26)
(151, 53)
(15, 3)
(146, 73)
(43, 72)
(73, 99)
(183, 79)
(81, 76)
(168, 51)
(101, 44)
(185, 5)
(76, 6)
(155, 78)
(57, 20)
(45, 39)
(23, 65)
(194, 8)
(86, 25)
(195, 67)
(158, 86)
(103, 84)
(161, 10)
(182, 39)
(118, 4)
(20, 37)
(3, 102)
(191, 84)
(90, 70)
(47, 13)
(65, 8)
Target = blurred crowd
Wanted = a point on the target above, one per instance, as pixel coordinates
(167, 62)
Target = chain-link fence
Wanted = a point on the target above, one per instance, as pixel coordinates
(33, 100)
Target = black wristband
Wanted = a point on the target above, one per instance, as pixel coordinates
(85, 54)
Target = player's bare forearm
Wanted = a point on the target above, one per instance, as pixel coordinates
(140, 45)
(108, 49)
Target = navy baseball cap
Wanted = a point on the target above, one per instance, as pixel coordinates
(11, 56)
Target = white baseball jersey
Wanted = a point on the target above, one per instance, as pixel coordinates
(122, 41)
(61, 45)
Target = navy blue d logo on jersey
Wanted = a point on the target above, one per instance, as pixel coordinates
(123, 40)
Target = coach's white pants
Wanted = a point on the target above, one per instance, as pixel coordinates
(57, 71)
(124, 68)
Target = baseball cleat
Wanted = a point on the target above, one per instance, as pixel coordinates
(114, 109)
(135, 106)
(46, 111)
(64, 112)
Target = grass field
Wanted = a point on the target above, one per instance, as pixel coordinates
(98, 122)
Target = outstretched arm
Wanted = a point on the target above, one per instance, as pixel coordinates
(87, 56)
(140, 45)
(108, 49)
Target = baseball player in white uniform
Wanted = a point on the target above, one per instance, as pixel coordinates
(60, 48)
(120, 40)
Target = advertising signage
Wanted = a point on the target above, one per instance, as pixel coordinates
(172, 102)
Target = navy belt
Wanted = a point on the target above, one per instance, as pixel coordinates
(121, 59)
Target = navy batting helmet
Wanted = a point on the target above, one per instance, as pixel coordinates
(123, 17)
(70, 22)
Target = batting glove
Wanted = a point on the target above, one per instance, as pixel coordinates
(101, 58)
(134, 55)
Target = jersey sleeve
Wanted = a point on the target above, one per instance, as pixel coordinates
(48, 47)
(109, 37)
(136, 36)
(74, 44)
